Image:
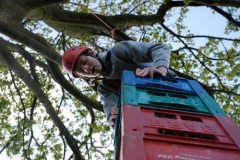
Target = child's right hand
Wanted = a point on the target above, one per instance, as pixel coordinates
(151, 71)
(113, 116)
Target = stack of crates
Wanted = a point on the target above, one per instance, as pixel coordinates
(172, 118)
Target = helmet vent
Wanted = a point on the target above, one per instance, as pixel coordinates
(69, 64)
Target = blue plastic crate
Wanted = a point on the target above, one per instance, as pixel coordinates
(163, 83)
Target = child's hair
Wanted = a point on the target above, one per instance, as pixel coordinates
(87, 53)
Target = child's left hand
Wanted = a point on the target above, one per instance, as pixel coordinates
(113, 116)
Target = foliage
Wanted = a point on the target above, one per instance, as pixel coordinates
(45, 114)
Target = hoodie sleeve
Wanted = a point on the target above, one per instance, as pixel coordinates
(109, 98)
(141, 52)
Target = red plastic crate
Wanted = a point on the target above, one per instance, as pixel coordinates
(147, 129)
(139, 148)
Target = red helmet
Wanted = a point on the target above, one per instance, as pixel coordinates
(70, 56)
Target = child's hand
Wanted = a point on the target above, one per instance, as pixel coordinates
(113, 116)
(151, 71)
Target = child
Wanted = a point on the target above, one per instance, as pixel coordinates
(146, 59)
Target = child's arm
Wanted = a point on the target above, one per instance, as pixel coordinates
(140, 52)
(109, 98)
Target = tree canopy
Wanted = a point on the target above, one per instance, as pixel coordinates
(47, 114)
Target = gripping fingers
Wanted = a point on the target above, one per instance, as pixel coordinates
(139, 72)
(114, 114)
(151, 72)
(142, 73)
(112, 118)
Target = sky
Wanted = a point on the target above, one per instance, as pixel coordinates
(199, 22)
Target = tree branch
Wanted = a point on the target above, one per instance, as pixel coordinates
(230, 3)
(27, 40)
(21, 73)
(33, 4)
(227, 15)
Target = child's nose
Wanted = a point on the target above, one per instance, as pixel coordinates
(86, 66)
(86, 69)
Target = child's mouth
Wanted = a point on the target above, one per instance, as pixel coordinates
(93, 70)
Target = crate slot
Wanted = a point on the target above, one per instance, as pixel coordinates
(169, 80)
(157, 85)
(187, 118)
(177, 96)
(164, 115)
(176, 106)
(156, 93)
(164, 94)
(186, 134)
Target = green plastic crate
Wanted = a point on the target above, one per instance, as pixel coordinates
(201, 103)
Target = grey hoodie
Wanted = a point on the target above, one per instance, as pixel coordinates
(128, 55)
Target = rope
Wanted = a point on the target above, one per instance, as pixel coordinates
(93, 13)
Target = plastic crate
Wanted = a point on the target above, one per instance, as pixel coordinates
(180, 127)
(163, 83)
(117, 143)
(148, 97)
(159, 134)
(117, 130)
(138, 148)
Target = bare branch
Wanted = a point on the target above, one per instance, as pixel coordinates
(227, 16)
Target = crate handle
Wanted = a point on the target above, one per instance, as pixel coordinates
(170, 105)
(199, 136)
(187, 118)
(164, 115)
(169, 80)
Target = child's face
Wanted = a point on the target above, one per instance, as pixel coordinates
(87, 66)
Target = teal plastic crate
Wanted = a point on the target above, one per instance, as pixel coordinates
(116, 146)
(147, 97)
